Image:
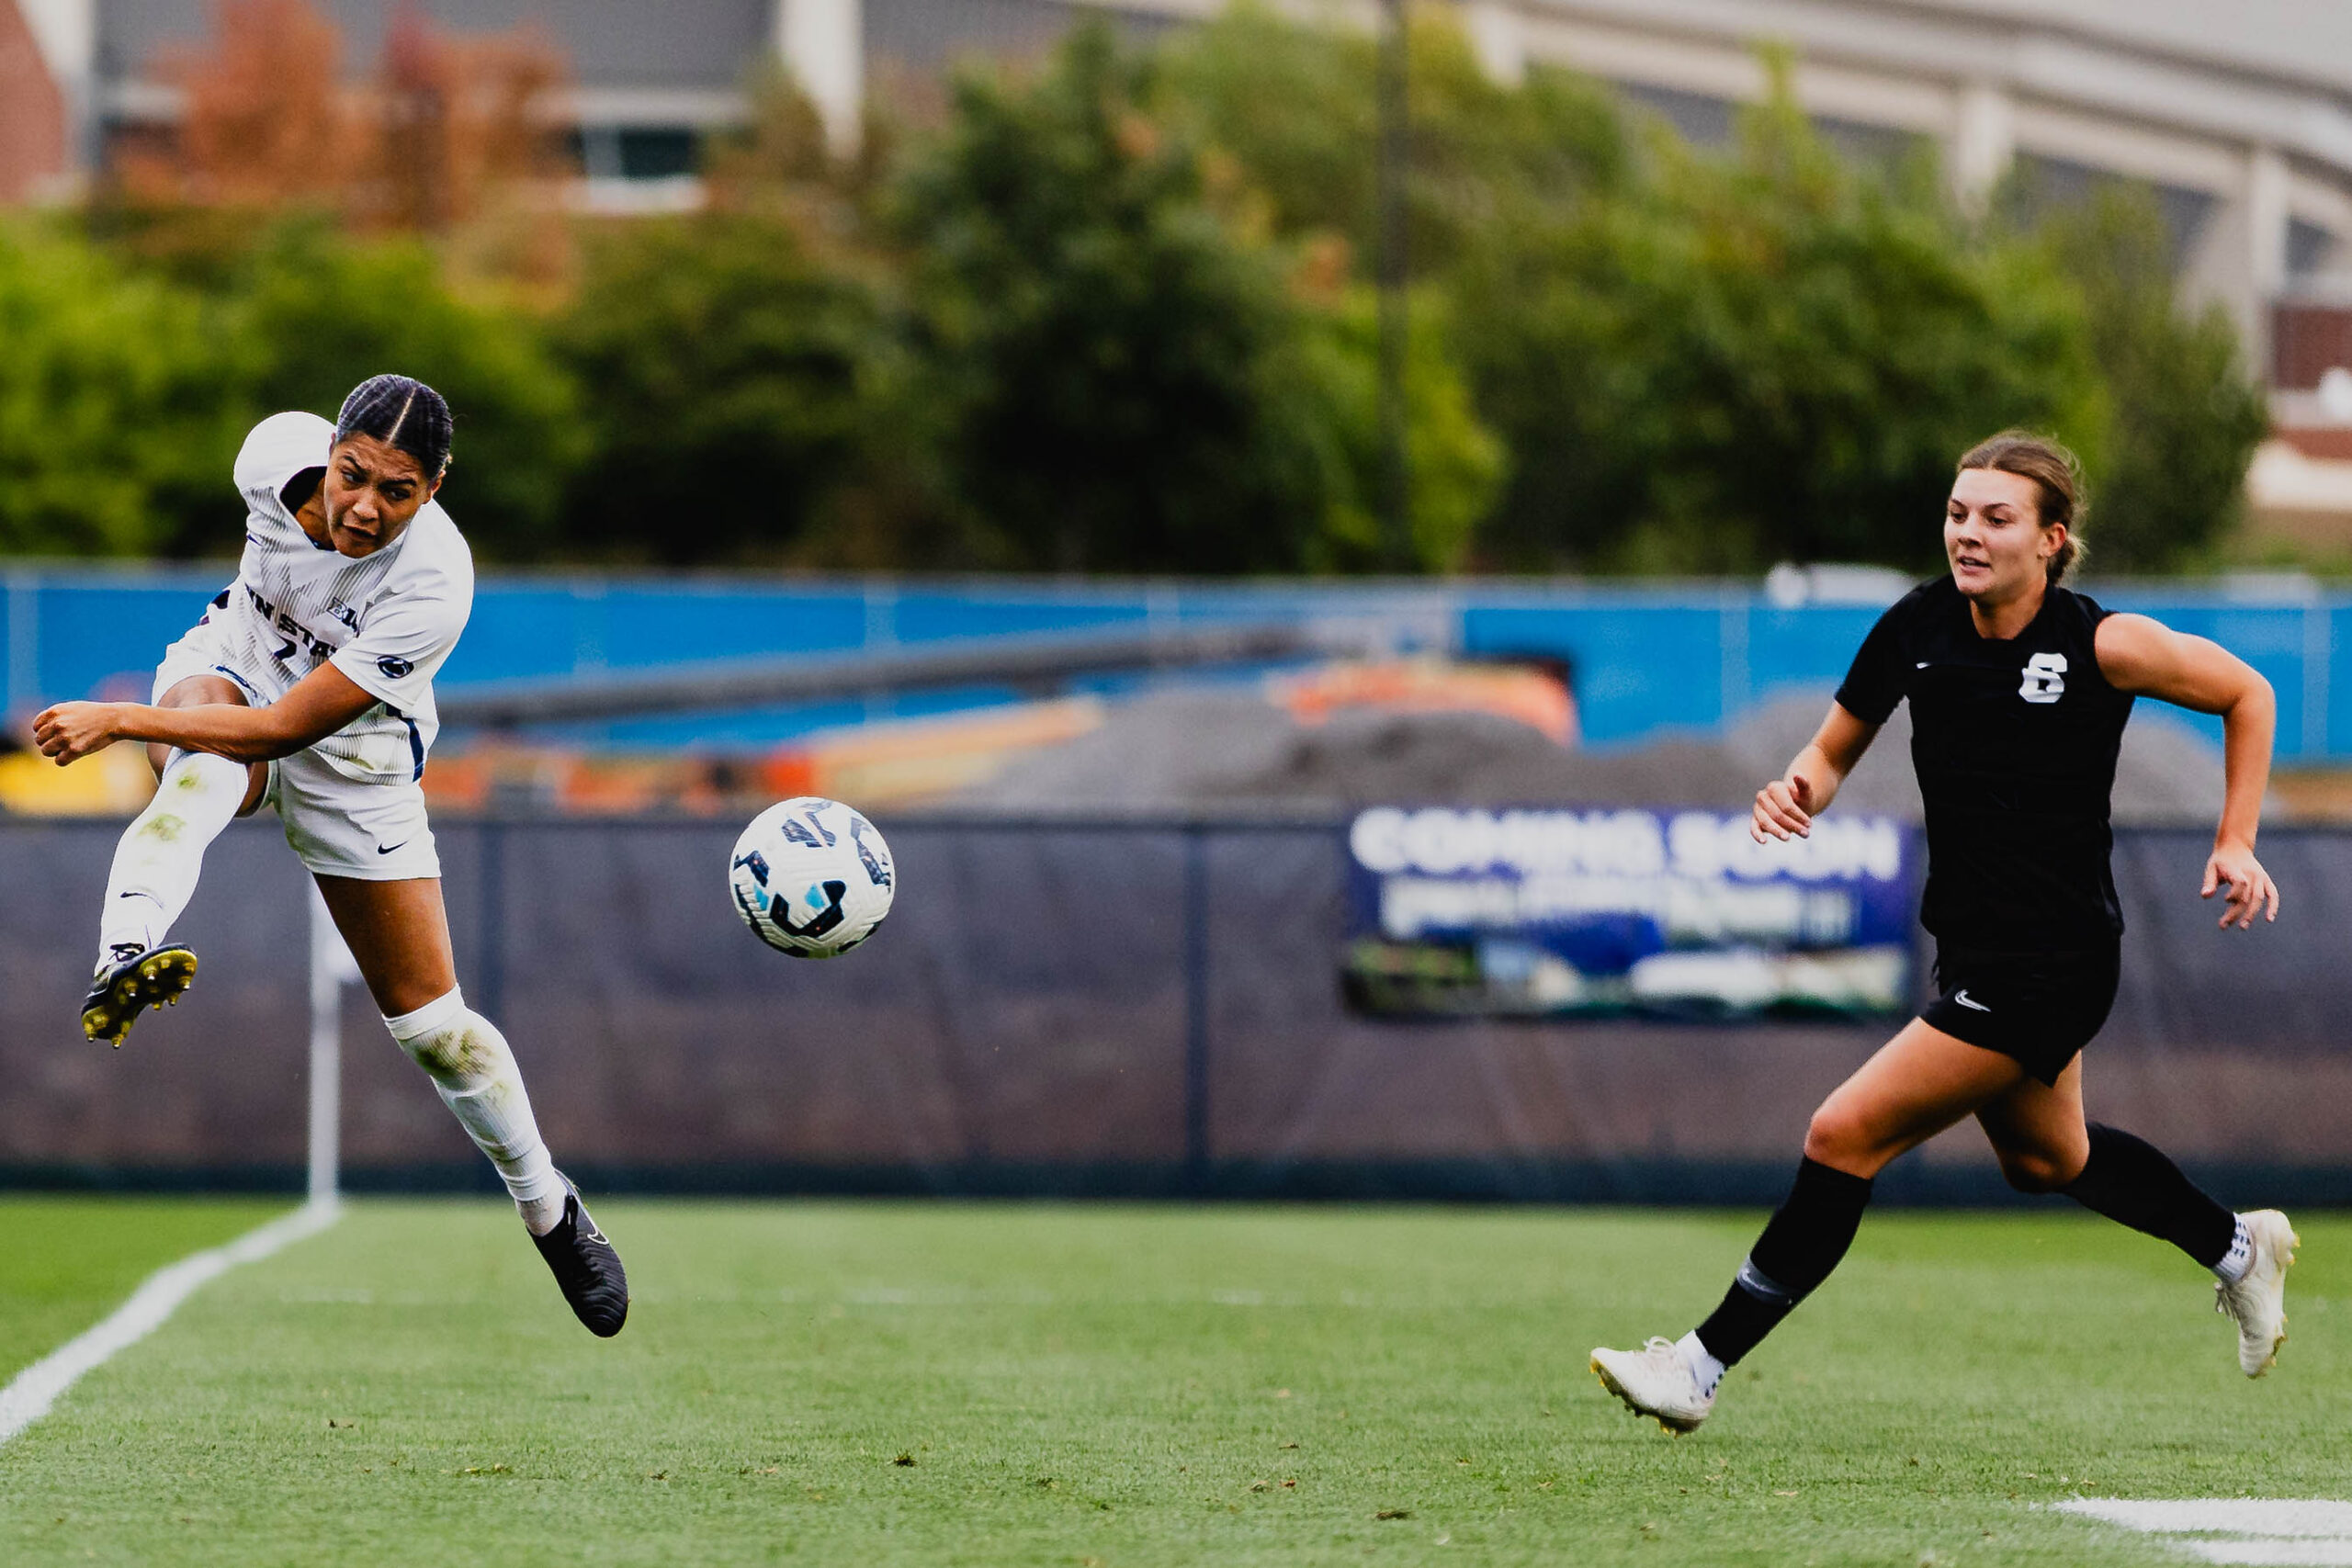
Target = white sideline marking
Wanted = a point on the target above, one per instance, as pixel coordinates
(31, 1392)
(2261, 1530)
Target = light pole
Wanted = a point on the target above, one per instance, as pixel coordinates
(1391, 267)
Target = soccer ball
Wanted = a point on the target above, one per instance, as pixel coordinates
(811, 877)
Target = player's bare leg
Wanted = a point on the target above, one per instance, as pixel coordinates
(399, 934)
(2037, 1133)
(155, 870)
(2045, 1145)
(1917, 1083)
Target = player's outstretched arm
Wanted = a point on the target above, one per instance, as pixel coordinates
(1786, 806)
(320, 703)
(2149, 659)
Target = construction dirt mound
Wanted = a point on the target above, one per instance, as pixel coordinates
(1190, 752)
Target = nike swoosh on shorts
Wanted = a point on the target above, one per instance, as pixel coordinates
(1961, 997)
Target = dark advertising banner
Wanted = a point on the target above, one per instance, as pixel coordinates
(1677, 914)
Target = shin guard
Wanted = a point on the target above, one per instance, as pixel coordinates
(1802, 1244)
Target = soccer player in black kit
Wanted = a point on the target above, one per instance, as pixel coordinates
(2018, 689)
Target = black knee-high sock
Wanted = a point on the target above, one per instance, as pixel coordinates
(1800, 1243)
(2132, 1182)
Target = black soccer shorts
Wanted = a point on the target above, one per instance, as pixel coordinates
(2039, 1009)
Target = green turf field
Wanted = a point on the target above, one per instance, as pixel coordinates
(965, 1384)
(66, 1262)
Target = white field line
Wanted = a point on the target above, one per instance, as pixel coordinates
(2284, 1531)
(31, 1392)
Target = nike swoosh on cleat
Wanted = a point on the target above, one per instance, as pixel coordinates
(1962, 997)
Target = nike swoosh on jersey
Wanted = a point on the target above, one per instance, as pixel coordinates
(1962, 997)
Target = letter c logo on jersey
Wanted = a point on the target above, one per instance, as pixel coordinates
(394, 668)
(2045, 678)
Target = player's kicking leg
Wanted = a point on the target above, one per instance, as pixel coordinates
(155, 870)
(399, 934)
(2045, 1145)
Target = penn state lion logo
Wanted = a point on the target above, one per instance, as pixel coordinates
(2045, 678)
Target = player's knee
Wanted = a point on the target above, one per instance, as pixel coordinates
(256, 788)
(459, 1050)
(468, 1049)
(1837, 1137)
(452, 1043)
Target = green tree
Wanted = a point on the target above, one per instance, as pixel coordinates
(110, 411)
(1129, 377)
(317, 313)
(1293, 106)
(1453, 463)
(1116, 315)
(1100, 338)
(1758, 358)
(2186, 417)
(1704, 361)
(731, 385)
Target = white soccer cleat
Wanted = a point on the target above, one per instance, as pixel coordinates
(1656, 1382)
(2257, 1303)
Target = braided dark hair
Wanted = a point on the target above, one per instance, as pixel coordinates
(402, 412)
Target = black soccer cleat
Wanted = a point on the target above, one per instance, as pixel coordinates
(133, 980)
(587, 1268)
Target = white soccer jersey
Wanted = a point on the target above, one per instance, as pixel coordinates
(386, 620)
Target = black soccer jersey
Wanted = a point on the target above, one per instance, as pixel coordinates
(2014, 743)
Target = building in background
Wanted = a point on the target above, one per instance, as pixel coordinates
(45, 54)
(2239, 115)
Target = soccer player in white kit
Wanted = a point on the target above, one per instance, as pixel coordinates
(309, 686)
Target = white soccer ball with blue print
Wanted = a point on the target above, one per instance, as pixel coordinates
(811, 877)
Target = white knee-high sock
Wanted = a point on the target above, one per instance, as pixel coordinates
(474, 1070)
(162, 853)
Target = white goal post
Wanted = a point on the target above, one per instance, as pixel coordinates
(331, 968)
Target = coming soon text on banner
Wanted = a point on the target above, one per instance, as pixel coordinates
(1546, 912)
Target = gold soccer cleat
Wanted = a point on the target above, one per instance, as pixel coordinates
(135, 981)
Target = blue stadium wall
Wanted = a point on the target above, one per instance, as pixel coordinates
(1646, 659)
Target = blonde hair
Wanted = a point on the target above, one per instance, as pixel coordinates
(2057, 475)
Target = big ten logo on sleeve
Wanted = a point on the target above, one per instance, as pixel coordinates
(2045, 678)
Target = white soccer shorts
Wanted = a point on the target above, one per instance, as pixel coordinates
(369, 830)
